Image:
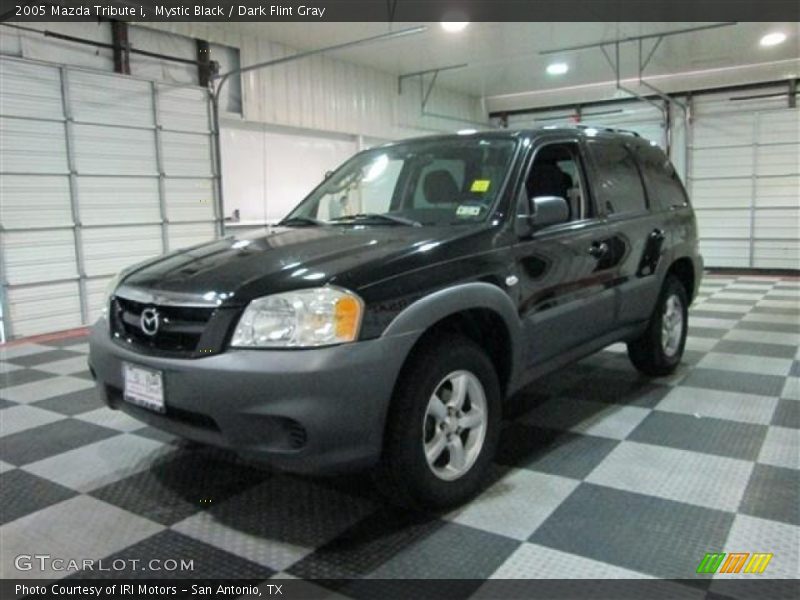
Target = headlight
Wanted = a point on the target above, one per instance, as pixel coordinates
(304, 318)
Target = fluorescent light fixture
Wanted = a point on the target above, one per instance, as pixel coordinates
(773, 39)
(454, 26)
(558, 68)
(466, 131)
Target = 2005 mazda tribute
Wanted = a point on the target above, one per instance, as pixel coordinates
(386, 319)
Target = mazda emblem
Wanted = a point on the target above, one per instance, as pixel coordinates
(149, 321)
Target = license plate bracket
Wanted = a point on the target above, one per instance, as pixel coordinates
(144, 387)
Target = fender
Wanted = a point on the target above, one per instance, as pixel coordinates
(432, 308)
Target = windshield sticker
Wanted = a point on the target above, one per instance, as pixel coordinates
(468, 210)
(480, 185)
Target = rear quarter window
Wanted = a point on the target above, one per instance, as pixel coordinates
(664, 187)
(618, 184)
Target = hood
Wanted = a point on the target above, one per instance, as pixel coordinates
(238, 269)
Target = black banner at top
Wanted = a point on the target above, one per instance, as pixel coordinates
(321, 11)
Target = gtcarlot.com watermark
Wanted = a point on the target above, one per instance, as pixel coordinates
(46, 562)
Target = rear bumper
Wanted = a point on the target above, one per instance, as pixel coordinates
(316, 410)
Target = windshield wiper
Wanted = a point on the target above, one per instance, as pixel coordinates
(381, 216)
(301, 221)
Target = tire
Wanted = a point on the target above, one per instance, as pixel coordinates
(659, 350)
(416, 423)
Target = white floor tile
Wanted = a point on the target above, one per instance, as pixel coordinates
(732, 406)
(113, 419)
(93, 466)
(81, 527)
(692, 477)
(11, 352)
(21, 417)
(781, 448)
(532, 561)
(508, 507)
(45, 388)
(742, 362)
(67, 366)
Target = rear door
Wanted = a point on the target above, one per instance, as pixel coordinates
(564, 269)
(637, 228)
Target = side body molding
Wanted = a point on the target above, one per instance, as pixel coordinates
(432, 308)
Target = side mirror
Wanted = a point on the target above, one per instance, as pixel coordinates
(548, 210)
(328, 174)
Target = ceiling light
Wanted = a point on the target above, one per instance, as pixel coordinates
(557, 68)
(454, 26)
(773, 39)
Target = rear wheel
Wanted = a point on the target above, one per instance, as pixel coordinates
(659, 350)
(442, 427)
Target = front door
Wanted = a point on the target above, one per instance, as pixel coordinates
(564, 269)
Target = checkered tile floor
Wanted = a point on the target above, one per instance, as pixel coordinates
(601, 473)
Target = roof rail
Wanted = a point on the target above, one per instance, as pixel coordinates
(608, 129)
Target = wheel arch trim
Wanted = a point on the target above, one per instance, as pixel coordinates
(425, 312)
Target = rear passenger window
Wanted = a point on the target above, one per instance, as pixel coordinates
(618, 185)
(663, 183)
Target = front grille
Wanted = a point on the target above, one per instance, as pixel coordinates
(180, 328)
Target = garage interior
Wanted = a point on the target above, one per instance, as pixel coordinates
(115, 147)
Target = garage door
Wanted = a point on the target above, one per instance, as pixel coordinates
(98, 171)
(744, 179)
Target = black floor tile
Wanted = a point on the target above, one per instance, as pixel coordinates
(40, 358)
(549, 451)
(207, 562)
(22, 493)
(787, 414)
(732, 381)
(48, 440)
(74, 403)
(756, 349)
(21, 376)
(706, 332)
(181, 484)
(712, 314)
(643, 533)
(711, 436)
(787, 327)
(795, 370)
(773, 493)
(398, 544)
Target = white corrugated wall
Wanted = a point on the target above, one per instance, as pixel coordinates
(744, 178)
(332, 95)
(98, 171)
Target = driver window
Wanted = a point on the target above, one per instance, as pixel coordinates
(556, 172)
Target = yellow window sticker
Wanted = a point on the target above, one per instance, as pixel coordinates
(480, 185)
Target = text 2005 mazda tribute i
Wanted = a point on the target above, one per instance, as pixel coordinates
(386, 319)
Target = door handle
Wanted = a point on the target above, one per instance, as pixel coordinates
(598, 250)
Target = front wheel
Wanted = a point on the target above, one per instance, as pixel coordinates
(659, 350)
(442, 427)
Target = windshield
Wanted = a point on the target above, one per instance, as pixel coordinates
(435, 182)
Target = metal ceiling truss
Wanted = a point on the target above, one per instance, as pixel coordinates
(643, 60)
(426, 89)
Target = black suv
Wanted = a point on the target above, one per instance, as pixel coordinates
(386, 319)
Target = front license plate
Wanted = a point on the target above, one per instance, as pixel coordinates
(144, 387)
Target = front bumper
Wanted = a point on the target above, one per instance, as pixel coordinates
(314, 410)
